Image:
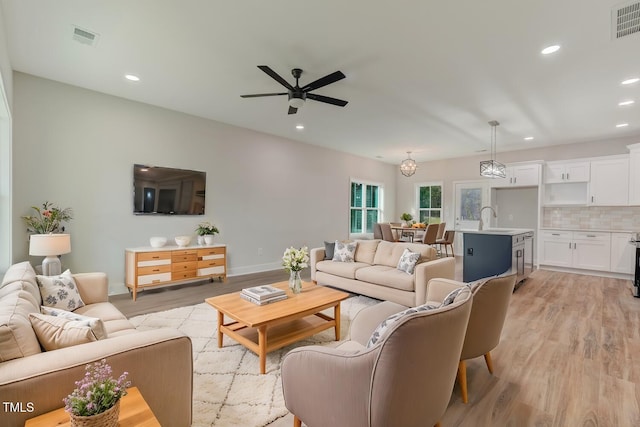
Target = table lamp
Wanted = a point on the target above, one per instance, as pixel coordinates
(50, 246)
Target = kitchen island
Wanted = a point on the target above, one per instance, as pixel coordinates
(495, 251)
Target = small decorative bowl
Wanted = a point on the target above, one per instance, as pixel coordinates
(157, 242)
(183, 241)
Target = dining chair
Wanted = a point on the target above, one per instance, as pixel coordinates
(441, 227)
(387, 233)
(430, 234)
(377, 231)
(447, 241)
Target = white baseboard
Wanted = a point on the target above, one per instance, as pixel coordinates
(257, 268)
(609, 274)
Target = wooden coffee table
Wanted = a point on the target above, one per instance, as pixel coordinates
(264, 328)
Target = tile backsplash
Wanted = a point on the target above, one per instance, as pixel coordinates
(592, 218)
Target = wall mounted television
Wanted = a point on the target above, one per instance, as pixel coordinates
(168, 191)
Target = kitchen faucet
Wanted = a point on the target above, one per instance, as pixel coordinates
(481, 224)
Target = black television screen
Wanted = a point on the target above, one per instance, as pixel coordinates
(169, 191)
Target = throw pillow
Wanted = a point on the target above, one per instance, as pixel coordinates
(383, 328)
(55, 332)
(408, 261)
(60, 291)
(344, 252)
(96, 324)
(451, 297)
(329, 247)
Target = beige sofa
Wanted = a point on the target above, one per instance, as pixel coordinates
(159, 362)
(374, 272)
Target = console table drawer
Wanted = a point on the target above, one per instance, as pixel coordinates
(211, 271)
(210, 251)
(211, 263)
(154, 278)
(153, 256)
(181, 256)
(184, 266)
(179, 275)
(153, 269)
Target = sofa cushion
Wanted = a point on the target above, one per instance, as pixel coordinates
(55, 332)
(383, 275)
(17, 338)
(344, 252)
(366, 250)
(408, 260)
(60, 291)
(114, 321)
(389, 253)
(23, 272)
(343, 269)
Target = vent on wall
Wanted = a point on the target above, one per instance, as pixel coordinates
(625, 19)
(84, 36)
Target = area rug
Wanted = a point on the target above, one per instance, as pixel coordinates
(227, 387)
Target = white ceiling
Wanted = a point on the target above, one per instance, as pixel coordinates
(422, 76)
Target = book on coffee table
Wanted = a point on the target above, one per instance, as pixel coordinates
(264, 292)
(264, 301)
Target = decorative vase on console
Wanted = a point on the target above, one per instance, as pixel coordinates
(205, 232)
(200, 240)
(294, 261)
(208, 239)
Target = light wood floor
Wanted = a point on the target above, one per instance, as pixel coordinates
(569, 354)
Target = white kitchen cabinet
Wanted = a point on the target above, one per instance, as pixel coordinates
(562, 172)
(609, 183)
(622, 253)
(583, 250)
(519, 175)
(634, 174)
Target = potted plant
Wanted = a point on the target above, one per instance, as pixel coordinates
(205, 232)
(96, 399)
(47, 219)
(406, 219)
(294, 261)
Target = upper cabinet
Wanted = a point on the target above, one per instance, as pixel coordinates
(634, 174)
(560, 172)
(609, 183)
(519, 175)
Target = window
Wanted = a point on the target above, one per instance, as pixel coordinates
(366, 199)
(429, 203)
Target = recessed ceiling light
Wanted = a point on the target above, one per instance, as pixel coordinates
(622, 125)
(623, 103)
(550, 49)
(528, 138)
(132, 77)
(299, 127)
(630, 81)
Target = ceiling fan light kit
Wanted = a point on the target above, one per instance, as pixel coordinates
(408, 166)
(492, 168)
(298, 95)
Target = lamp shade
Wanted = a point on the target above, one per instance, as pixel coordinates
(49, 244)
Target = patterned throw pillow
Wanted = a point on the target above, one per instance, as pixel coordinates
(381, 330)
(96, 324)
(408, 261)
(454, 294)
(344, 252)
(59, 291)
(55, 332)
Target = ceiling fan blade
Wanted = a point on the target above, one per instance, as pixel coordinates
(275, 76)
(292, 110)
(326, 80)
(256, 95)
(327, 99)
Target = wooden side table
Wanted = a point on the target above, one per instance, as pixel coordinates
(134, 411)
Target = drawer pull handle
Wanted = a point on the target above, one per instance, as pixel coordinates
(155, 257)
(156, 281)
(555, 234)
(156, 269)
(591, 235)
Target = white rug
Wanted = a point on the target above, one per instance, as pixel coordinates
(228, 389)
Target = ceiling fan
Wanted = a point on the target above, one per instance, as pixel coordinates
(298, 95)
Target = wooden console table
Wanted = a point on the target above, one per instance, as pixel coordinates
(134, 411)
(147, 266)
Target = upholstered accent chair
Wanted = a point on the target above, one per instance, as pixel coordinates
(405, 379)
(491, 300)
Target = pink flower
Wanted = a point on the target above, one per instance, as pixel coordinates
(46, 213)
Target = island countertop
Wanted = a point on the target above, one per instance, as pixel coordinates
(498, 231)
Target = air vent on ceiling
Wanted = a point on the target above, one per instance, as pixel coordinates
(84, 36)
(625, 19)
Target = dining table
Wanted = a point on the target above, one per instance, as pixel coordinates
(410, 232)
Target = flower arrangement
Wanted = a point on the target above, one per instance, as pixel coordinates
(295, 259)
(47, 219)
(97, 391)
(205, 228)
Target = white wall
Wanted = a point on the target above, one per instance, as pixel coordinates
(77, 148)
(6, 87)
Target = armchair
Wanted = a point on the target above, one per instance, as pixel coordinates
(405, 379)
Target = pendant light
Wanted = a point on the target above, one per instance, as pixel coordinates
(492, 168)
(408, 166)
